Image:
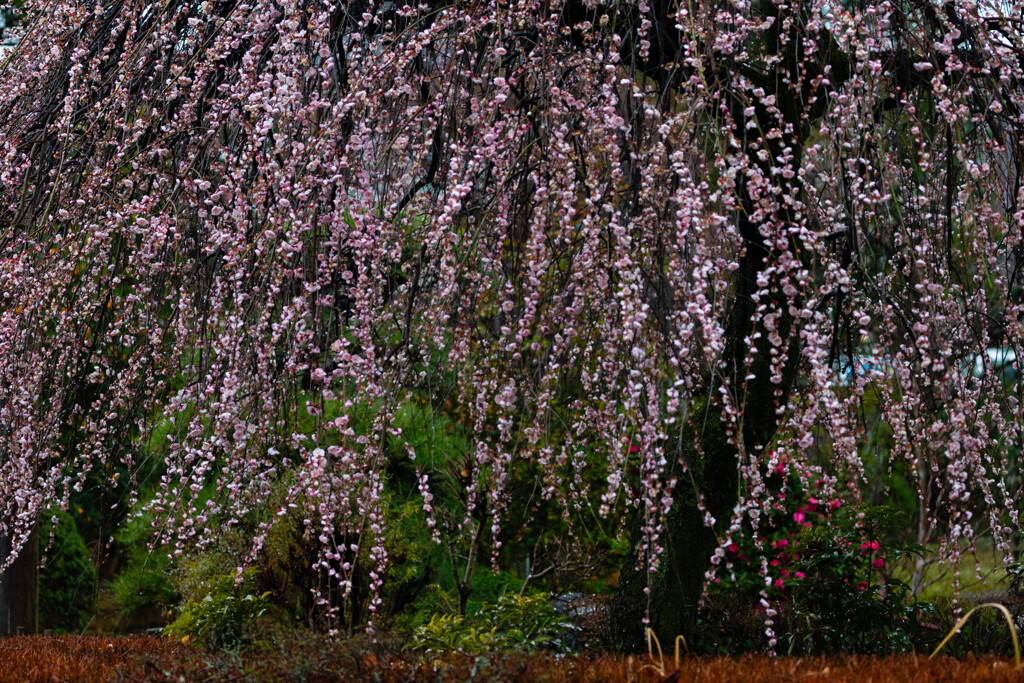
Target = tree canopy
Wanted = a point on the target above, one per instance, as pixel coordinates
(631, 244)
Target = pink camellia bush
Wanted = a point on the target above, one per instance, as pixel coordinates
(595, 234)
(771, 558)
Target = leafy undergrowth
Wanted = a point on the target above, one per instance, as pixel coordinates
(140, 658)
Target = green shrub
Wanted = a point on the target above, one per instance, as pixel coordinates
(67, 582)
(513, 623)
(143, 596)
(843, 600)
(144, 590)
(525, 624)
(452, 633)
(283, 570)
(224, 616)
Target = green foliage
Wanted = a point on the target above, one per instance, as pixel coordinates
(843, 601)
(144, 591)
(452, 633)
(218, 607)
(527, 623)
(831, 574)
(67, 582)
(283, 570)
(1015, 575)
(416, 566)
(491, 587)
(439, 597)
(432, 601)
(143, 596)
(224, 616)
(514, 623)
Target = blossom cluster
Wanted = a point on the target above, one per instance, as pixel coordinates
(242, 223)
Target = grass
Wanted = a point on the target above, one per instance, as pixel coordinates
(980, 574)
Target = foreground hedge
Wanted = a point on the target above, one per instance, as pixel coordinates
(141, 658)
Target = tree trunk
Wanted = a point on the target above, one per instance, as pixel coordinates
(19, 590)
(675, 589)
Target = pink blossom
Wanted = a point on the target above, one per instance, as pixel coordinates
(279, 242)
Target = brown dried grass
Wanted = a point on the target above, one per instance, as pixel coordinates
(82, 659)
(157, 660)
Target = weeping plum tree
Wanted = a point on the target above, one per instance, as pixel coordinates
(635, 238)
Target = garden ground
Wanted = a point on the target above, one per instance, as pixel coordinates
(145, 658)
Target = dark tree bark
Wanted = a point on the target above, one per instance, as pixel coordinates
(19, 590)
(673, 592)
